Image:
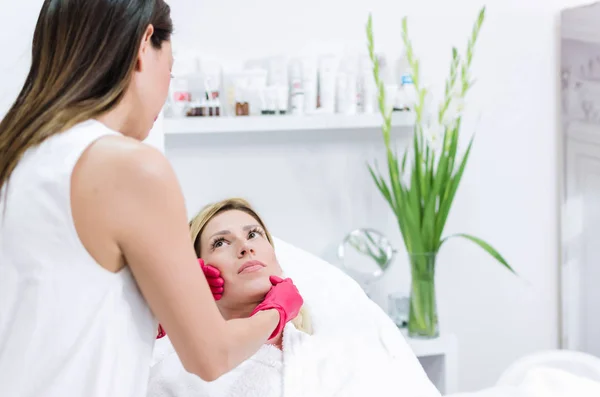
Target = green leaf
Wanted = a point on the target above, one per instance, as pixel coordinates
(448, 190)
(417, 177)
(382, 186)
(448, 197)
(403, 167)
(487, 247)
(452, 136)
(409, 224)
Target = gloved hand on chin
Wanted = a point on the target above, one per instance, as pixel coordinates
(283, 297)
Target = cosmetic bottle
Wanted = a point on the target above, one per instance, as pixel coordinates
(241, 104)
(389, 83)
(296, 88)
(197, 109)
(363, 64)
(264, 110)
(407, 94)
(309, 84)
(210, 106)
(282, 93)
(257, 82)
(346, 96)
(180, 88)
(368, 93)
(327, 82)
(268, 101)
(272, 101)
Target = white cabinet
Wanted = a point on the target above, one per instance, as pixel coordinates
(439, 358)
(581, 231)
(580, 196)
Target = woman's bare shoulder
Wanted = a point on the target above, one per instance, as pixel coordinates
(124, 159)
(117, 173)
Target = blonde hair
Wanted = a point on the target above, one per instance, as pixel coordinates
(302, 322)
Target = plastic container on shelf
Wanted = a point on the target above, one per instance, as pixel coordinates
(184, 87)
(366, 91)
(296, 88)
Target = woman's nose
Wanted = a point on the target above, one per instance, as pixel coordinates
(245, 250)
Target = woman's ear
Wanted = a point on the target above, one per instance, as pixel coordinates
(145, 47)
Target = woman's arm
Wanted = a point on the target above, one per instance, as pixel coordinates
(136, 192)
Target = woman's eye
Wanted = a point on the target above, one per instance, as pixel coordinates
(255, 233)
(218, 243)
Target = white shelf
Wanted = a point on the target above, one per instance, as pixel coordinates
(233, 125)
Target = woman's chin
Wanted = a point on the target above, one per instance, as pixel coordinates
(259, 286)
(253, 286)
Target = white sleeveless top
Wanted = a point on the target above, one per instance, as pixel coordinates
(68, 327)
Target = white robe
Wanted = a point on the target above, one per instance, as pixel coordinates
(259, 376)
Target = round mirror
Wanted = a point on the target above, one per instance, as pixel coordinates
(365, 255)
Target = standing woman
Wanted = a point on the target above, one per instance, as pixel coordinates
(93, 230)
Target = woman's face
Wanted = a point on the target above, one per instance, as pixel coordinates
(151, 82)
(235, 243)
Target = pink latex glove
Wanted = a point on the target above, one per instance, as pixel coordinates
(215, 281)
(285, 298)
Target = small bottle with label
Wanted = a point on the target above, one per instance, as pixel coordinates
(407, 94)
(296, 88)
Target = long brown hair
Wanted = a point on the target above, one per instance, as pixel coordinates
(303, 321)
(83, 56)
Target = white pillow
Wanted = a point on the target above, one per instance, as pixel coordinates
(340, 310)
(335, 302)
(553, 382)
(315, 275)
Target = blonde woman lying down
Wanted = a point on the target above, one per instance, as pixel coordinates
(326, 355)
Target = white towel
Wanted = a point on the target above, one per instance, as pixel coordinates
(259, 376)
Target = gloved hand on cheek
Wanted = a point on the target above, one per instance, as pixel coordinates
(215, 281)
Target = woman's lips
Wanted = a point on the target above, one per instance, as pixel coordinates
(251, 266)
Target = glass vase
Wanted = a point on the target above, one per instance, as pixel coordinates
(422, 317)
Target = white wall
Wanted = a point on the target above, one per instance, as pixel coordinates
(313, 188)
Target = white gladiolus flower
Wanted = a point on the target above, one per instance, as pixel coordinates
(428, 100)
(455, 107)
(434, 135)
(453, 112)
